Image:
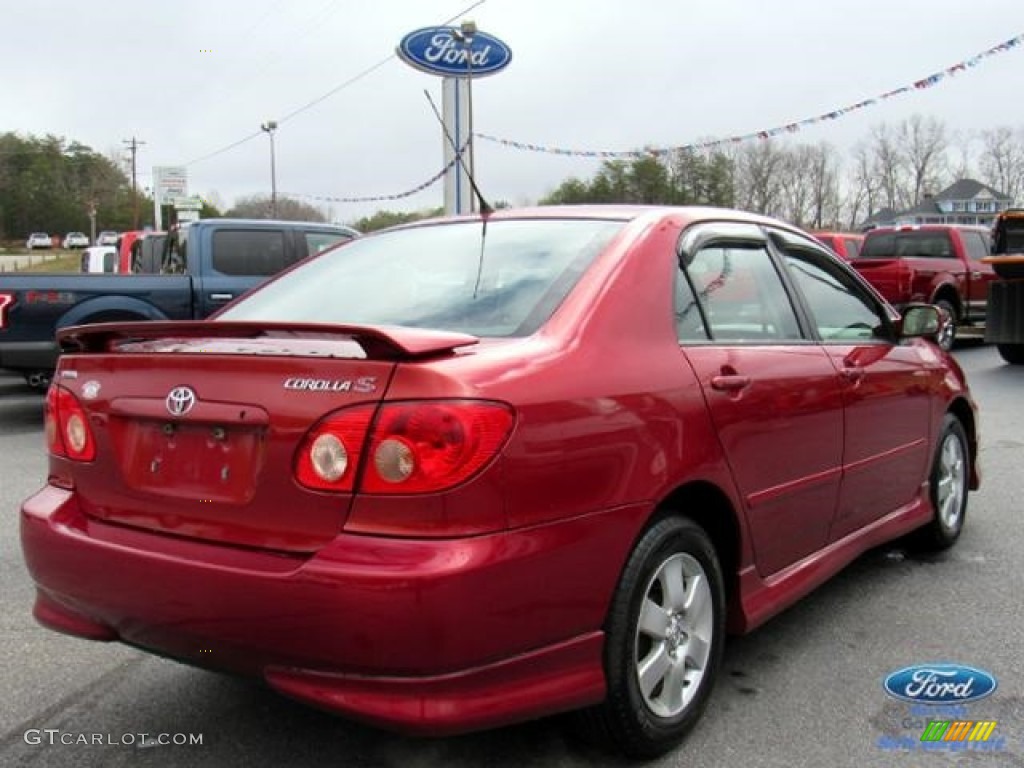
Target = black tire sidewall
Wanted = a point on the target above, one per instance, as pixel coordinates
(646, 733)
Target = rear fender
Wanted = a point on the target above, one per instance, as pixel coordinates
(124, 307)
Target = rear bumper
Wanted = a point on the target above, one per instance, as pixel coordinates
(424, 636)
(29, 355)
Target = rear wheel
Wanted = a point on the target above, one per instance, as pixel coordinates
(947, 333)
(947, 489)
(664, 641)
(1012, 353)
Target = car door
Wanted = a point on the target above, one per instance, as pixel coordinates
(887, 386)
(773, 395)
(979, 274)
(241, 258)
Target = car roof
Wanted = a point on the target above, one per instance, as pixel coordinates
(688, 214)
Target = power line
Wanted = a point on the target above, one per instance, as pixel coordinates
(309, 105)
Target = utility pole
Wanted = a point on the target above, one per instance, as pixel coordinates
(133, 145)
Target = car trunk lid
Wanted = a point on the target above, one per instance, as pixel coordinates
(197, 424)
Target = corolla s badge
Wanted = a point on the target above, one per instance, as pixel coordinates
(939, 684)
(180, 401)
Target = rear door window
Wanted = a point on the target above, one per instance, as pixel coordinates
(736, 294)
(249, 251)
(976, 244)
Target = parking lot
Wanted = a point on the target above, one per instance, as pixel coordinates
(804, 690)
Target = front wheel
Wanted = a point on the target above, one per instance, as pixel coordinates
(664, 640)
(947, 486)
(1012, 353)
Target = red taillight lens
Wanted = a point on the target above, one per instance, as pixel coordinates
(413, 447)
(67, 427)
(6, 300)
(329, 455)
(428, 446)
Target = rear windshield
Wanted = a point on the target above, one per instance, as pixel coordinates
(929, 245)
(445, 276)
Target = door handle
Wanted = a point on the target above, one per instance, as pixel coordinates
(730, 382)
(221, 297)
(852, 373)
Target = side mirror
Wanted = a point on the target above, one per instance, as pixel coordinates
(922, 320)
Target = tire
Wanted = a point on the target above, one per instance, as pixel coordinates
(664, 638)
(947, 488)
(1012, 353)
(947, 334)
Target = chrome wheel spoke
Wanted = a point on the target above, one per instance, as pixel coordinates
(673, 585)
(653, 669)
(674, 691)
(697, 652)
(653, 620)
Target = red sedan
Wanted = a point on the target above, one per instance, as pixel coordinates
(473, 471)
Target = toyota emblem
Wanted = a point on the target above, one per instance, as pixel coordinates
(180, 401)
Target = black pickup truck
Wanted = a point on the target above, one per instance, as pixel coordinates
(203, 266)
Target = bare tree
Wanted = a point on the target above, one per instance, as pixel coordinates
(890, 167)
(864, 193)
(962, 163)
(757, 177)
(1002, 160)
(922, 143)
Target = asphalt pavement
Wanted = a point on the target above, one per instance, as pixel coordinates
(804, 690)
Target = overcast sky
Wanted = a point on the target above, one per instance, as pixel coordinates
(190, 77)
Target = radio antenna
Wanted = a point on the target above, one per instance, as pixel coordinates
(485, 209)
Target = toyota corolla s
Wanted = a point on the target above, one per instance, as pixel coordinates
(474, 471)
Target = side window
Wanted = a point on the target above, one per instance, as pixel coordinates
(841, 309)
(739, 294)
(248, 252)
(977, 246)
(318, 241)
(852, 248)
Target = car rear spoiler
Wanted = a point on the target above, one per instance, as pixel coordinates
(378, 342)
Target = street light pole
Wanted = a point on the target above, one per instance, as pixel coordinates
(270, 126)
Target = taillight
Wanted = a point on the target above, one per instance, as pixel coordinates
(329, 454)
(6, 300)
(413, 447)
(67, 427)
(428, 446)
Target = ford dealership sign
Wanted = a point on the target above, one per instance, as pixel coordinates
(439, 51)
(940, 684)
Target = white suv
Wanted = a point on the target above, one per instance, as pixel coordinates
(38, 240)
(107, 237)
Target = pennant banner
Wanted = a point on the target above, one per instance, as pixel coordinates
(927, 82)
(396, 196)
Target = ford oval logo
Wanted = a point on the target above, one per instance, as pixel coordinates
(437, 51)
(939, 684)
(180, 401)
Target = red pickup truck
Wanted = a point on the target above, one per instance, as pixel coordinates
(935, 263)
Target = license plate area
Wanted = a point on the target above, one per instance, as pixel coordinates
(205, 462)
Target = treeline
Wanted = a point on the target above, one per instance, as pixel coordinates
(813, 185)
(48, 184)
